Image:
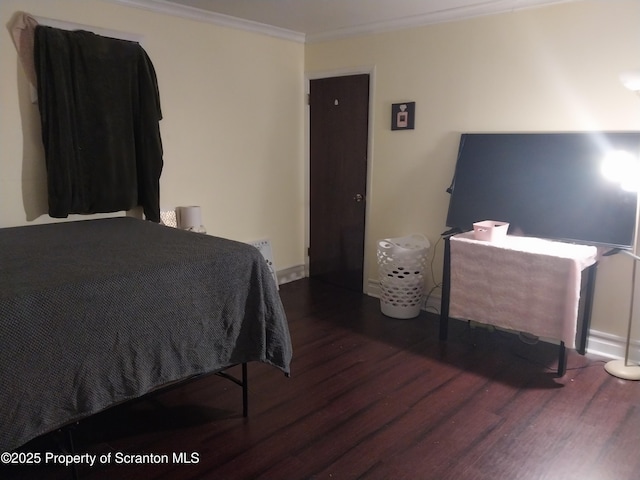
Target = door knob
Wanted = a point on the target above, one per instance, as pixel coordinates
(358, 197)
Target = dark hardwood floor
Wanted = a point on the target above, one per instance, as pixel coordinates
(376, 398)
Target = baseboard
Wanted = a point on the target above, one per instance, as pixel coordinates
(612, 346)
(599, 343)
(291, 274)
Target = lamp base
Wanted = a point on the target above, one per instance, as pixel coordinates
(622, 369)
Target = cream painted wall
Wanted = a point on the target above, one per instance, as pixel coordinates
(547, 69)
(233, 106)
(233, 127)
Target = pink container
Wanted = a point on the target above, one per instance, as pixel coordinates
(490, 230)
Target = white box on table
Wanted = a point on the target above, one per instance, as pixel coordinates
(490, 230)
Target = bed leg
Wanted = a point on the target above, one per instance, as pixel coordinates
(245, 391)
(244, 383)
(72, 450)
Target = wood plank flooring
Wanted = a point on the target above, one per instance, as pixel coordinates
(376, 398)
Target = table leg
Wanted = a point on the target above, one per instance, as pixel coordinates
(562, 360)
(446, 288)
(588, 306)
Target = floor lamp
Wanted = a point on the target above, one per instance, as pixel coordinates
(623, 368)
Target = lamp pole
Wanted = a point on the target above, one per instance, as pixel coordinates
(623, 368)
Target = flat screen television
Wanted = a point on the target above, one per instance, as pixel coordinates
(546, 185)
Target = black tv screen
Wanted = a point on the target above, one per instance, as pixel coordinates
(547, 185)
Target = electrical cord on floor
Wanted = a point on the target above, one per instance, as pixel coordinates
(428, 307)
(594, 363)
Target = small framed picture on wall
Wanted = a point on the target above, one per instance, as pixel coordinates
(403, 116)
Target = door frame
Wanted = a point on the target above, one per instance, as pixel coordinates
(370, 70)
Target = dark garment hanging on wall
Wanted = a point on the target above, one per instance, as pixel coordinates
(100, 112)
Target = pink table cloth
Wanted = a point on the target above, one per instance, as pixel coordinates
(524, 284)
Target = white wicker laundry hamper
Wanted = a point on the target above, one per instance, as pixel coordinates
(401, 265)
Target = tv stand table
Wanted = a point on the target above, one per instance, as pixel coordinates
(523, 284)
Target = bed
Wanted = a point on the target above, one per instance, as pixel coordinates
(97, 312)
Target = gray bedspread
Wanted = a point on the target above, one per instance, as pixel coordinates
(96, 312)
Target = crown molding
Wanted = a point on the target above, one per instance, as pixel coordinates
(183, 11)
(490, 7)
(441, 16)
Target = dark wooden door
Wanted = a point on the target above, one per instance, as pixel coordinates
(339, 126)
